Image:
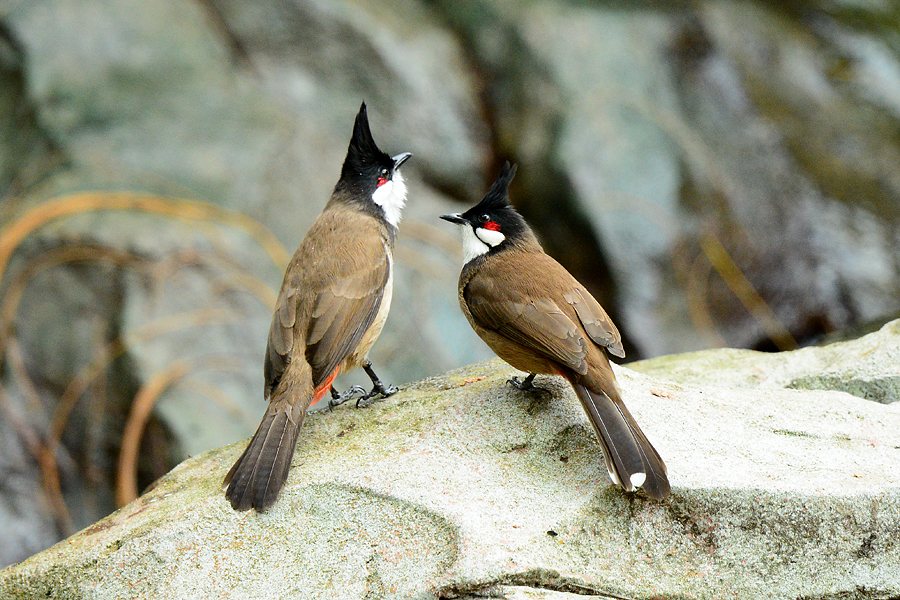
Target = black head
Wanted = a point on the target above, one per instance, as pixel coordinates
(493, 223)
(367, 170)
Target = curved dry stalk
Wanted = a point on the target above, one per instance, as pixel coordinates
(104, 356)
(126, 472)
(144, 401)
(697, 296)
(45, 453)
(48, 260)
(44, 262)
(13, 234)
(725, 266)
(33, 442)
(33, 404)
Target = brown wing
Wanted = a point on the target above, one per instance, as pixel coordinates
(281, 339)
(528, 311)
(337, 295)
(536, 323)
(344, 311)
(596, 322)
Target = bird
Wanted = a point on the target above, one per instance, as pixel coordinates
(538, 318)
(331, 308)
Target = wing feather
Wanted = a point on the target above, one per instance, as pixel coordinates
(536, 323)
(596, 322)
(342, 314)
(326, 306)
(533, 313)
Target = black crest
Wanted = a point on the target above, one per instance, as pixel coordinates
(497, 197)
(495, 206)
(364, 159)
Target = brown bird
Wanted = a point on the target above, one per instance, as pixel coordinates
(537, 317)
(332, 306)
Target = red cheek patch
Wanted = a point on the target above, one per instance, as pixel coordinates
(492, 225)
(381, 182)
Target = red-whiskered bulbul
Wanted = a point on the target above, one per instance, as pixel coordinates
(537, 317)
(332, 306)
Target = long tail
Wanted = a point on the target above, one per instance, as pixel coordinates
(631, 459)
(259, 474)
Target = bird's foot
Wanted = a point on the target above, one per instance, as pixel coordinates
(379, 390)
(356, 392)
(526, 385)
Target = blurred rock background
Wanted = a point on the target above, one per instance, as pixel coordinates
(716, 172)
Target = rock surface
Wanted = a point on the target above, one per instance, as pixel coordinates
(868, 368)
(461, 487)
(703, 146)
(246, 107)
(717, 173)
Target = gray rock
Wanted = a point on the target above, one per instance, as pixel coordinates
(247, 106)
(26, 516)
(868, 367)
(658, 143)
(459, 486)
(718, 153)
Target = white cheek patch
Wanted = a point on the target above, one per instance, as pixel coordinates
(478, 241)
(391, 196)
(489, 236)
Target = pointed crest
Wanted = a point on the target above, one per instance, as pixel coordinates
(498, 195)
(363, 150)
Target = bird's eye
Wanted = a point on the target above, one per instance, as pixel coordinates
(485, 218)
(384, 172)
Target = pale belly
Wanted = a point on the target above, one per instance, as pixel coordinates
(357, 357)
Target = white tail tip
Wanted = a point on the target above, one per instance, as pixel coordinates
(638, 479)
(612, 475)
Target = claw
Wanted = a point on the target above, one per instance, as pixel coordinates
(527, 386)
(337, 398)
(358, 393)
(377, 391)
(378, 388)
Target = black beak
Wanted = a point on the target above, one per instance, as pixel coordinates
(400, 159)
(454, 218)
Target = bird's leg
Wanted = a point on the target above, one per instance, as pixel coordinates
(522, 385)
(338, 398)
(378, 388)
(527, 385)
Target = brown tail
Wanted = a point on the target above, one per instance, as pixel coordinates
(631, 459)
(259, 474)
